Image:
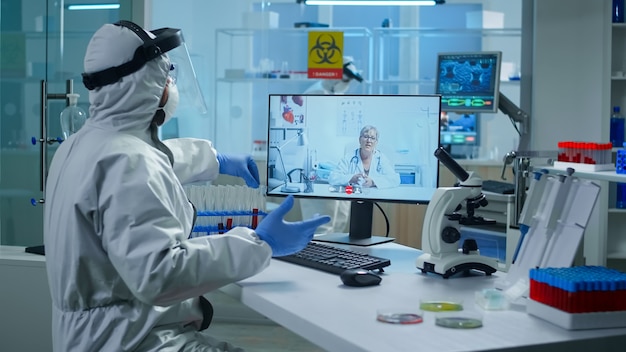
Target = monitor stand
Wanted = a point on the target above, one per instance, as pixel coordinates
(360, 228)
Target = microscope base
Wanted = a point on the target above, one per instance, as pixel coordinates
(454, 263)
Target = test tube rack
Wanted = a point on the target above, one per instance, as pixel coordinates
(583, 297)
(584, 156)
(236, 219)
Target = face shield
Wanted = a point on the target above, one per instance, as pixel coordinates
(163, 41)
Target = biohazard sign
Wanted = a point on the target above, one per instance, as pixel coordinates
(325, 55)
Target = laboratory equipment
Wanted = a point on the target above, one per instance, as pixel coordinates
(554, 221)
(72, 117)
(334, 260)
(459, 320)
(408, 127)
(399, 316)
(469, 82)
(441, 234)
(498, 187)
(441, 305)
(580, 297)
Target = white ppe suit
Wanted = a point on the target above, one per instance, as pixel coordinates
(123, 274)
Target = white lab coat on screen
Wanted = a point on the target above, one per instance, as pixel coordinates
(123, 274)
(381, 170)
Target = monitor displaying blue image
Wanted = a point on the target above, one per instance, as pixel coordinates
(468, 82)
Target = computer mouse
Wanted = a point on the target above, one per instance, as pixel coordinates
(360, 278)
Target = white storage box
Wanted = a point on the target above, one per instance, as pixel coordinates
(484, 19)
(260, 20)
(577, 321)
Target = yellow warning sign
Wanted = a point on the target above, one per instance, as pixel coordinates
(325, 55)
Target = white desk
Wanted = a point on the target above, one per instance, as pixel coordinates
(316, 306)
(25, 303)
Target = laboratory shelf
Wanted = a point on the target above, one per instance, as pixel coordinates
(446, 32)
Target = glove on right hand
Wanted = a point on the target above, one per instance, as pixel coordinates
(284, 237)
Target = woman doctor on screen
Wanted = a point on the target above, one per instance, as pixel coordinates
(123, 273)
(366, 166)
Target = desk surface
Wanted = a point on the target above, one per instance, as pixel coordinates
(318, 307)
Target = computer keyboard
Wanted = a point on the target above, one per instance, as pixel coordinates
(498, 187)
(333, 259)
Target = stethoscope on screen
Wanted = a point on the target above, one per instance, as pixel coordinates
(354, 162)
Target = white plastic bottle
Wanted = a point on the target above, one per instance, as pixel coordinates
(72, 117)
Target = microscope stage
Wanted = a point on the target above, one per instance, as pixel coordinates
(453, 263)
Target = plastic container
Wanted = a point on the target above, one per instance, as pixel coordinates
(72, 117)
(617, 128)
(621, 196)
(618, 11)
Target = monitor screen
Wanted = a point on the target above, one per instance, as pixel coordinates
(468, 82)
(363, 148)
(459, 129)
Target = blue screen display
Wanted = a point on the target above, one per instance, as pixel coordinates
(468, 82)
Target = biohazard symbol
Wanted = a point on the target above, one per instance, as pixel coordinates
(326, 50)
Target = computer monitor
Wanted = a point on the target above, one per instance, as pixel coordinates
(459, 133)
(319, 147)
(469, 82)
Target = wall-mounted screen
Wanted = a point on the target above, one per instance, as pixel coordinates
(468, 82)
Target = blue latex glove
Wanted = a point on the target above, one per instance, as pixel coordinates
(287, 238)
(240, 166)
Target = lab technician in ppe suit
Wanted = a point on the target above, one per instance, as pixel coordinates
(123, 273)
(338, 210)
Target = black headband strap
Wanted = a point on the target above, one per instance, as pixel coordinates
(165, 40)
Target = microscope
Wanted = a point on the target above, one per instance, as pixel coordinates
(441, 231)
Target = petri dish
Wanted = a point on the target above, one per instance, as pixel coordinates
(399, 316)
(435, 305)
(459, 320)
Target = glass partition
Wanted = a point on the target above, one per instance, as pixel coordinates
(47, 42)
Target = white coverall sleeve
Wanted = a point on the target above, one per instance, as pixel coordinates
(194, 159)
(148, 243)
